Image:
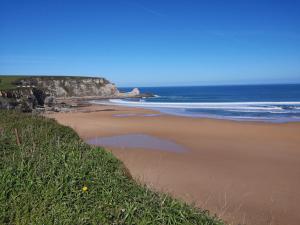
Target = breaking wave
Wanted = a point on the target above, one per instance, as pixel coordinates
(283, 111)
(239, 106)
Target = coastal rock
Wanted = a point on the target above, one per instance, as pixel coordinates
(4, 103)
(77, 87)
(26, 105)
(134, 93)
(34, 92)
(23, 100)
(50, 101)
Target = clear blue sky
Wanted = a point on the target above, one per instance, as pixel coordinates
(157, 42)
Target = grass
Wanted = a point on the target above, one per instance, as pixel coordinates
(44, 167)
(6, 82)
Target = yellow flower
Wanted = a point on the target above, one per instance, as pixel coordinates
(84, 189)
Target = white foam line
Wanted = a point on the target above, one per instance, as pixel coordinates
(208, 105)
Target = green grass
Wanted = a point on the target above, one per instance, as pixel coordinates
(42, 177)
(6, 82)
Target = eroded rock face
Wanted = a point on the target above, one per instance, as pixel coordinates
(16, 93)
(43, 91)
(36, 92)
(22, 99)
(77, 87)
(50, 101)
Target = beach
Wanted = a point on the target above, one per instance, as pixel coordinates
(245, 172)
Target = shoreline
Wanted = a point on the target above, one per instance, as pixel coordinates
(244, 171)
(90, 107)
(173, 109)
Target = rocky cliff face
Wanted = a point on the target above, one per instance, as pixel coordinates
(78, 87)
(37, 91)
(68, 86)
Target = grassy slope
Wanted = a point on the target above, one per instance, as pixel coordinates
(5, 82)
(41, 181)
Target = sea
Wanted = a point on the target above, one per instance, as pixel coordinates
(266, 103)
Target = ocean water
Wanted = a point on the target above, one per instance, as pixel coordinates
(269, 103)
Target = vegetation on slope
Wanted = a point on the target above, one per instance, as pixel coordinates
(6, 82)
(48, 175)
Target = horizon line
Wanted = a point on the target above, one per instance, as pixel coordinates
(212, 85)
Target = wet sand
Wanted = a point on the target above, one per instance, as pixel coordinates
(245, 172)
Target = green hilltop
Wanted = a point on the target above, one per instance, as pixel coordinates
(6, 82)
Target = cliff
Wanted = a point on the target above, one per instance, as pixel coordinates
(64, 86)
(30, 92)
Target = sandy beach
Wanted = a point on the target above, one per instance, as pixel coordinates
(245, 172)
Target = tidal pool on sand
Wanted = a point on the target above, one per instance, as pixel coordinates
(137, 141)
(136, 114)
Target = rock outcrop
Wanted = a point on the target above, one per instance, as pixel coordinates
(134, 93)
(32, 92)
(70, 86)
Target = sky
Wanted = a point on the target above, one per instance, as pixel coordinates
(153, 43)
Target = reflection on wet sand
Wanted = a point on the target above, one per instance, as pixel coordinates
(137, 141)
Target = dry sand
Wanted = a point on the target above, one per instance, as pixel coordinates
(245, 172)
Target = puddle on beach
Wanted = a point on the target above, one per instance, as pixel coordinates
(135, 114)
(137, 141)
